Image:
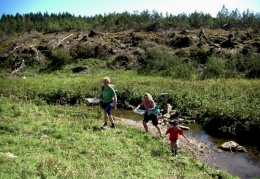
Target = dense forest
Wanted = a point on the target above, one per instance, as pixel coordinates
(115, 22)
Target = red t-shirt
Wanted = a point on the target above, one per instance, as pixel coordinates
(174, 135)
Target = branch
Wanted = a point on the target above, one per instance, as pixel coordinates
(62, 40)
(13, 51)
(15, 71)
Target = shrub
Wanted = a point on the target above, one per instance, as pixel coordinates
(158, 61)
(122, 60)
(81, 51)
(199, 55)
(241, 65)
(253, 67)
(185, 70)
(214, 68)
(60, 57)
(231, 70)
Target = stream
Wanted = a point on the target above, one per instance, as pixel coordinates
(243, 165)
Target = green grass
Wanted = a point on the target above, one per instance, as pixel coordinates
(217, 99)
(53, 139)
(66, 142)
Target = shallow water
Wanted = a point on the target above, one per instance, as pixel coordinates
(243, 165)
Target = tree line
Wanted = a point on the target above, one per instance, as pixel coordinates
(113, 22)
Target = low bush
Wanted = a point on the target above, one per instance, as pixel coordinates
(58, 58)
(159, 62)
(214, 68)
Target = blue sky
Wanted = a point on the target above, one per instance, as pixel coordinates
(94, 7)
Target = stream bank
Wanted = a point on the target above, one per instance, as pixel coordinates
(204, 147)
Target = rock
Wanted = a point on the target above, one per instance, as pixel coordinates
(166, 115)
(130, 107)
(169, 107)
(8, 154)
(174, 114)
(192, 121)
(160, 121)
(240, 149)
(232, 146)
(181, 119)
(44, 136)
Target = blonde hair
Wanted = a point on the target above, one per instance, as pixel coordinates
(149, 96)
(106, 78)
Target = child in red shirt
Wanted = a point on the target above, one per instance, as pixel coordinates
(175, 132)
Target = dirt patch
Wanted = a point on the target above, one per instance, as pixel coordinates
(196, 149)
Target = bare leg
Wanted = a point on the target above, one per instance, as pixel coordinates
(145, 126)
(105, 116)
(159, 130)
(111, 119)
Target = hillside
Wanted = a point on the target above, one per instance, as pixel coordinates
(131, 48)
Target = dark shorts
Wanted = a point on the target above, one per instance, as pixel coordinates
(150, 117)
(174, 144)
(108, 107)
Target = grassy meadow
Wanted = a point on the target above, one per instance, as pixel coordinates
(53, 134)
(54, 141)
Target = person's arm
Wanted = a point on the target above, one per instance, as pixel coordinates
(185, 137)
(101, 94)
(140, 105)
(166, 132)
(115, 100)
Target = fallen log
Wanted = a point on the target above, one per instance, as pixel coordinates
(12, 51)
(20, 67)
(184, 127)
(62, 40)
